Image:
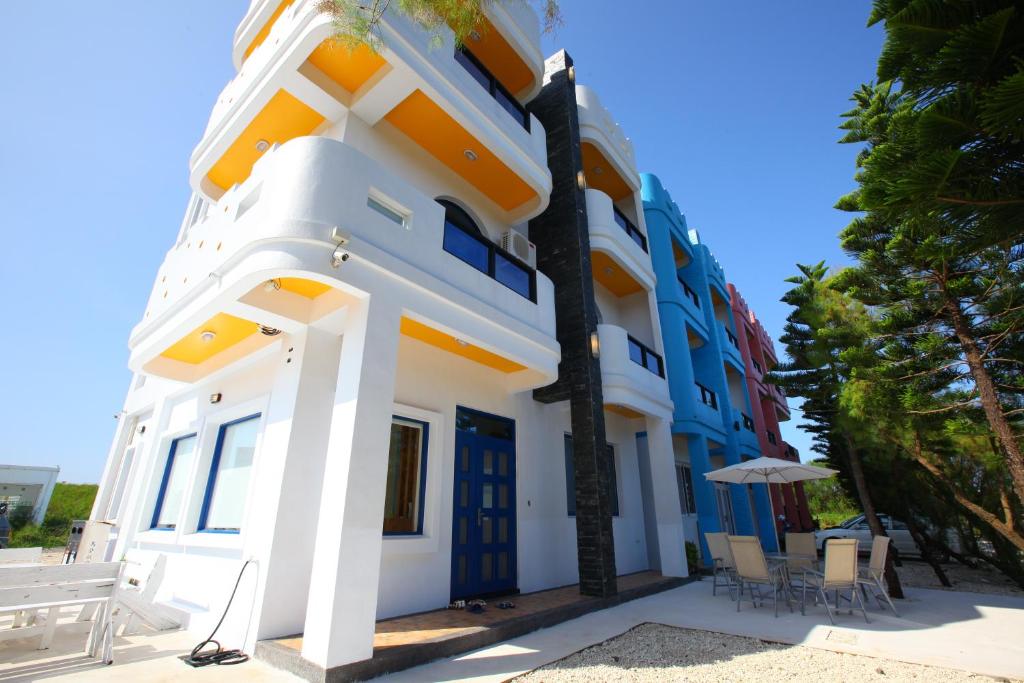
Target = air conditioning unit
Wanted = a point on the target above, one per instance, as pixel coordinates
(523, 249)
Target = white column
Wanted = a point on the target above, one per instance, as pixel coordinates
(342, 608)
(147, 456)
(281, 526)
(665, 491)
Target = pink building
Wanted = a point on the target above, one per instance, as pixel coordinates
(769, 408)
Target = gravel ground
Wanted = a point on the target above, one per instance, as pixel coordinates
(984, 579)
(652, 652)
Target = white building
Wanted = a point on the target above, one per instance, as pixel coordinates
(28, 486)
(334, 373)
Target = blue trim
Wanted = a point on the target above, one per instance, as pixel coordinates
(211, 480)
(423, 477)
(163, 485)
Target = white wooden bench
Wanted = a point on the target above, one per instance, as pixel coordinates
(51, 588)
(20, 556)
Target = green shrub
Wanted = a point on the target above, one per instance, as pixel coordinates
(692, 562)
(68, 503)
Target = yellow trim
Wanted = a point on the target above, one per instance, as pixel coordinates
(284, 118)
(228, 329)
(601, 174)
(613, 276)
(434, 130)
(622, 410)
(310, 289)
(428, 335)
(500, 58)
(265, 31)
(349, 68)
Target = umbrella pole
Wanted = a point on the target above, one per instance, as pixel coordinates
(771, 506)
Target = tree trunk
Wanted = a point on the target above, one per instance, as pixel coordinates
(892, 579)
(998, 525)
(927, 551)
(997, 421)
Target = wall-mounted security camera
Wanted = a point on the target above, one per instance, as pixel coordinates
(339, 256)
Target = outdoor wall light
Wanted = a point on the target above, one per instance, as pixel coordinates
(461, 342)
(215, 398)
(272, 285)
(470, 154)
(595, 345)
(581, 180)
(207, 336)
(262, 146)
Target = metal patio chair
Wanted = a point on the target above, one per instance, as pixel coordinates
(753, 570)
(723, 566)
(840, 575)
(873, 576)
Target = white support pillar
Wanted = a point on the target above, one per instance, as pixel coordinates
(139, 485)
(342, 608)
(665, 492)
(293, 452)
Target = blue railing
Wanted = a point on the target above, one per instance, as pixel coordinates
(642, 355)
(491, 260)
(484, 77)
(631, 230)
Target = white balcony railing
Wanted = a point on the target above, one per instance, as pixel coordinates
(629, 378)
(608, 236)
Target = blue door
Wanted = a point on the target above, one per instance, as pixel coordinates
(484, 496)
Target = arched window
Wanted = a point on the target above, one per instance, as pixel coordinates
(455, 214)
(464, 240)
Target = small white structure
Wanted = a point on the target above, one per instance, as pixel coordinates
(22, 485)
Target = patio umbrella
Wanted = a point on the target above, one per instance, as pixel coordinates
(769, 471)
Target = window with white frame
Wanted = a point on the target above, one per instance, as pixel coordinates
(230, 469)
(407, 463)
(174, 483)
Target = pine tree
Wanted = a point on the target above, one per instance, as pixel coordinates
(823, 333)
(357, 23)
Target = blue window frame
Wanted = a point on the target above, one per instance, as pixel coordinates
(174, 483)
(405, 492)
(228, 483)
(570, 479)
(463, 240)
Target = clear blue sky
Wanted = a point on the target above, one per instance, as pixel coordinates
(734, 105)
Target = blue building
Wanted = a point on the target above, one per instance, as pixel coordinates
(712, 425)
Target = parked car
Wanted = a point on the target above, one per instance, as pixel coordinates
(857, 527)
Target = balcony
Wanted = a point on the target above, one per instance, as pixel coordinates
(747, 431)
(609, 161)
(631, 373)
(282, 225)
(619, 259)
(731, 346)
(297, 82)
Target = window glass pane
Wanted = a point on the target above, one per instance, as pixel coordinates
(511, 106)
(465, 247)
(231, 480)
(475, 71)
(512, 275)
(385, 211)
(179, 468)
(613, 486)
(636, 352)
(402, 492)
(484, 425)
(570, 477)
(487, 529)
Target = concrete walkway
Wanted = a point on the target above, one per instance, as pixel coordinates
(968, 631)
